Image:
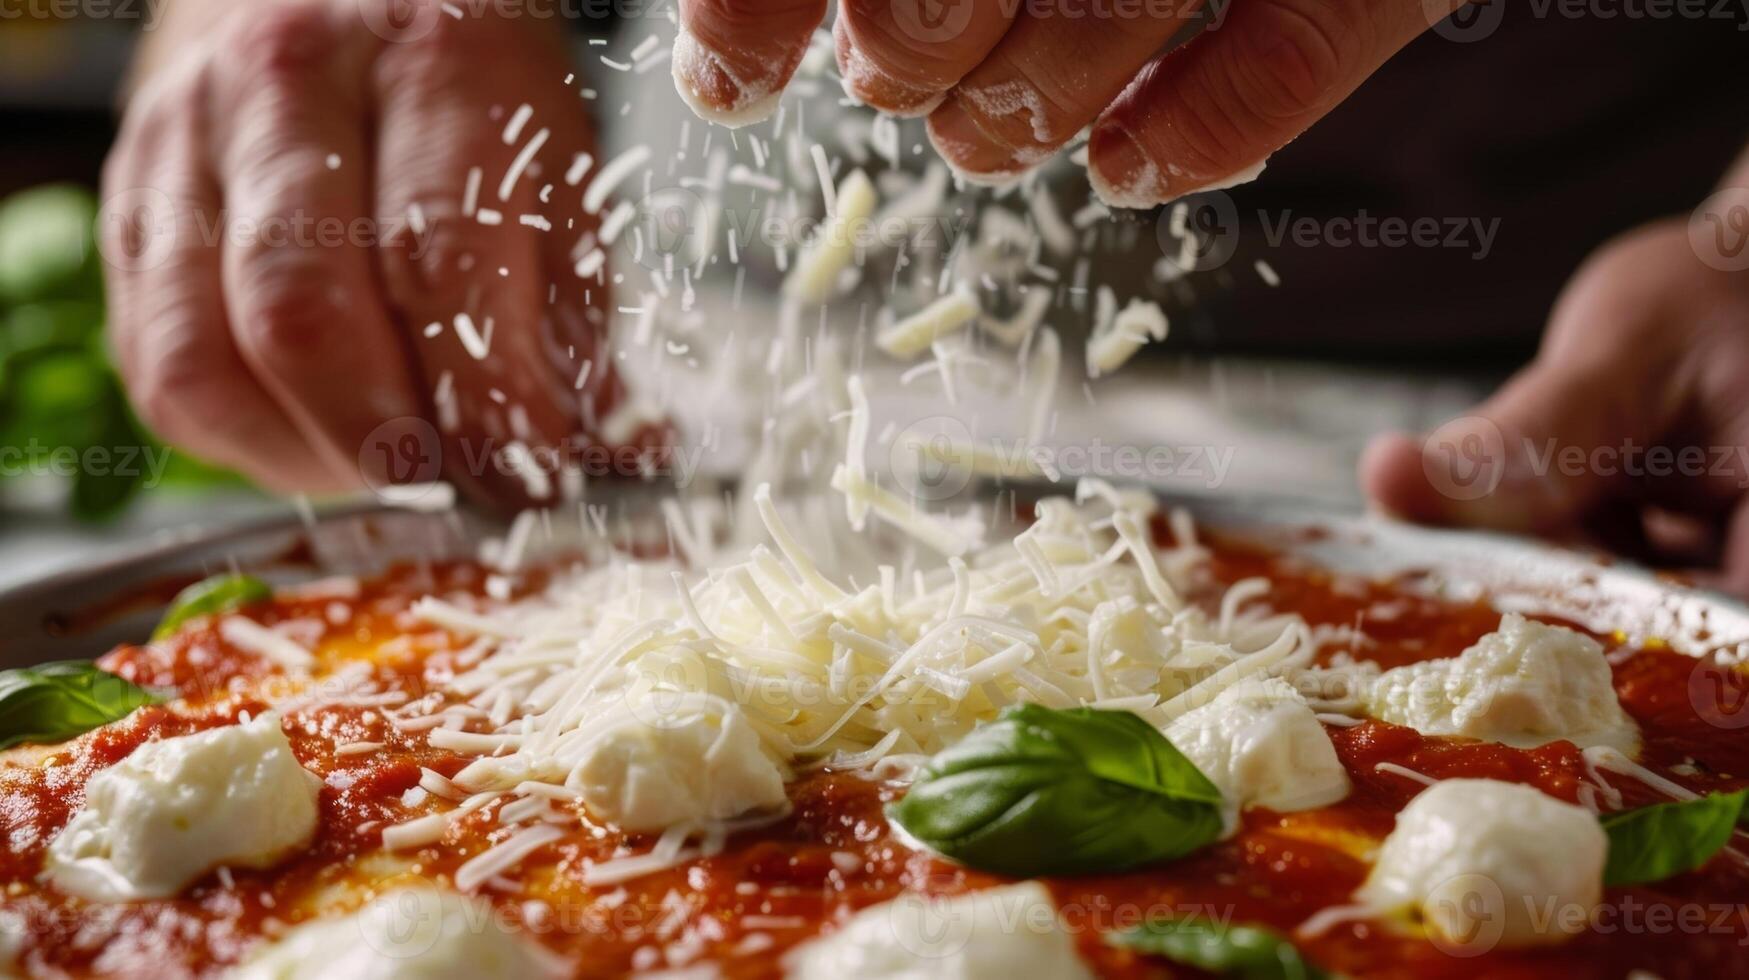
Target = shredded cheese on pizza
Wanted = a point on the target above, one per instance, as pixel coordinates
(1078, 609)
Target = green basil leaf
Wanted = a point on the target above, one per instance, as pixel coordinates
(48, 245)
(1250, 952)
(57, 701)
(219, 594)
(1042, 791)
(1656, 842)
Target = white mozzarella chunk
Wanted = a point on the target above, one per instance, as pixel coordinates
(652, 772)
(1488, 862)
(175, 809)
(415, 933)
(1261, 744)
(996, 934)
(1525, 684)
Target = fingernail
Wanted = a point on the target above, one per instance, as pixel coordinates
(1122, 176)
(715, 95)
(968, 150)
(872, 85)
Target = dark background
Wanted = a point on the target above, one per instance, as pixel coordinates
(1567, 127)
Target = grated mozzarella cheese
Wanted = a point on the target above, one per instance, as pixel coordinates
(833, 245)
(671, 697)
(914, 334)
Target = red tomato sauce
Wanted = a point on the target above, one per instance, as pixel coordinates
(776, 887)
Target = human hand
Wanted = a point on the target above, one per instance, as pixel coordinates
(1631, 427)
(285, 222)
(1005, 84)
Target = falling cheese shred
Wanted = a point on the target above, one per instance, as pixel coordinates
(1114, 343)
(830, 251)
(914, 334)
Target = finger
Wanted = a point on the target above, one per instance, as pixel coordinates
(1046, 80)
(1523, 461)
(902, 56)
(1678, 539)
(732, 58)
(1215, 110)
(167, 320)
(1527, 459)
(502, 325)
(1733, 572)
(302, 294)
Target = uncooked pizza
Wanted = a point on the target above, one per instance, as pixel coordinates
(1106, 745)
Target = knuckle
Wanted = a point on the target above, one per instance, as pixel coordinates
(288, 312)
(1296, 56)
(1034, 108)
(283, 41)
(873, 30)
(450, 56)
(176, 390)
(748, 14)
(433, 265)
(1212, 140)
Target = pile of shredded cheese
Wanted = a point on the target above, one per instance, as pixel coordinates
(1080, 608)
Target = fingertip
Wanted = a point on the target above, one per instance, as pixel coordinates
(867, 82)
(970, 152)
(1394, 476)
(1120, 172)
(713, 92)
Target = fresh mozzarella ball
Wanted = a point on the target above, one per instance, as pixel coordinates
(1525, 684)
(414, 933)
(657, 769)
(177, 808)
(1488, 862)
(997, 934)
(1260, 743)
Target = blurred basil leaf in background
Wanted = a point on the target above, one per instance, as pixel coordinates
(62, 406)
(46, 246)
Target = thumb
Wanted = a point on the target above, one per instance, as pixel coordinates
(1541, 453)
(1557, 439)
